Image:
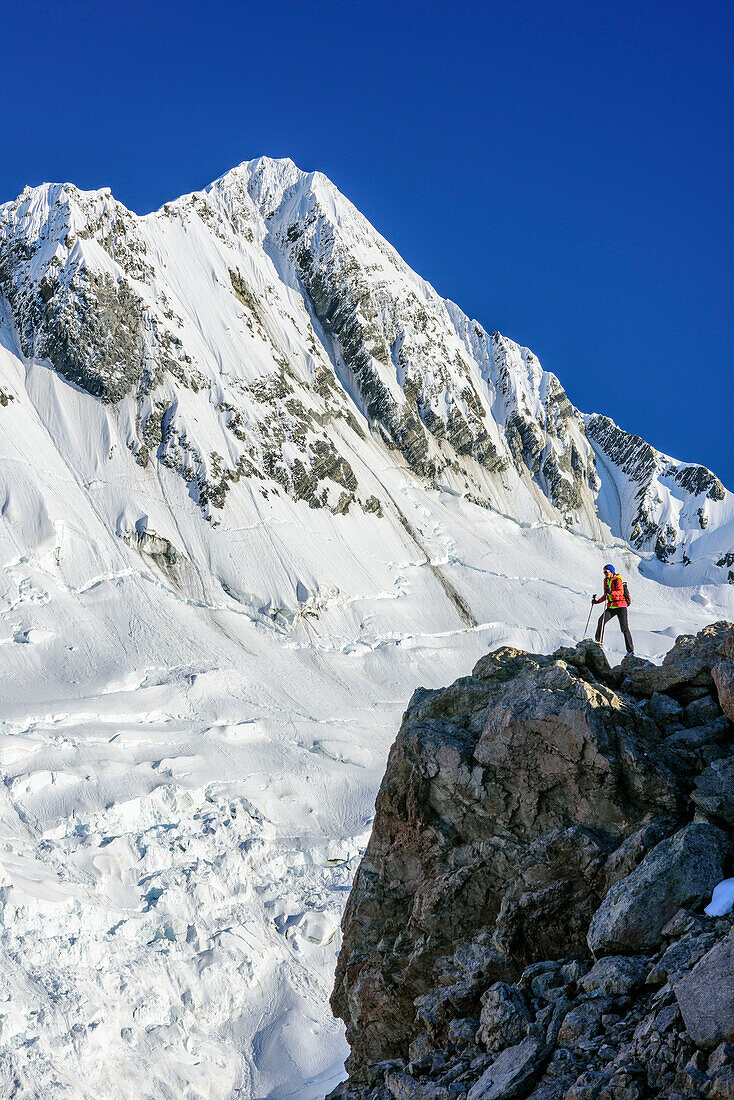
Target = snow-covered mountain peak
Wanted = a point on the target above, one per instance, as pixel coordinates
(258, 480)
(279, 308)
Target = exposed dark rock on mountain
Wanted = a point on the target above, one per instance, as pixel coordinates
(534, 817)
(259, 331)
(680, 871)
(645, 468)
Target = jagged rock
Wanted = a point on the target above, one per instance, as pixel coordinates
(551, 1089)
(723, 677)
(515, 801)
(662, 709)
(461, 978)
(706, 996)
(588, 1086)
(681, 870)
(713, 792)
(505, 1017)
(701, 711)
(524, 748)
(683, 923)
(617, 974)
(401, 1086)
(589, 654)
(680, 956)
(699, 737)
(462, 1032)
(686, 668)
(639, 676)
(554, 896)
(540, 978)
(583, 1020)
(509, 1073)
(720, 1085)
(722, 1056)
(631, 851)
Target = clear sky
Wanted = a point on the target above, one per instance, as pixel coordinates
(564, 171)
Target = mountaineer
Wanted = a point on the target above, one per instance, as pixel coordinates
(618, 600)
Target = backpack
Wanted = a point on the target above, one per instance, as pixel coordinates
(626, 591)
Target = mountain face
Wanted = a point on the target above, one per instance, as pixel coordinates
(257, 482)
(262, 328)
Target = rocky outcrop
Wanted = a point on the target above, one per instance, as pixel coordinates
(705, 996)
(679, 871)
(526, 921)
(648, 515)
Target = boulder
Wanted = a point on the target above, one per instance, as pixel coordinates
(680, 956)
(702, 710)
(583, 1021)
(589, 654)
(713, 791)
(712, 733)
(401, 1086)
(462, 1032)
(588, 1086)
(510, 1073)
(679, 871)
(664, 710)
(615, 975)
(505, 1017)
(723, 676)
(686, 668)
(631, 851)
(706, 997)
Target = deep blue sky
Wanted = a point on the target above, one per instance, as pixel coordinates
(563, 171)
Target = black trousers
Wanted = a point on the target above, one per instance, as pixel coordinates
(621, 614)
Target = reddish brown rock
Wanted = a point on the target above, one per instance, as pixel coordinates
(723, 676)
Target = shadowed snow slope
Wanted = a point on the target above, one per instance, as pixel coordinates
(258, 481)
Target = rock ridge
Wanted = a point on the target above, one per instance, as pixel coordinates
(527, 918)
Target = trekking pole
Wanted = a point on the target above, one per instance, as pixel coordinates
(586, 628)
(603, 624)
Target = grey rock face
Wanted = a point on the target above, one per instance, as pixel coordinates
(682, 870)
(723, 676)
(662, 709)
(701, 711)
(509, 1073)
(513, 800)
(96, 339)
(706, 997)
(614, 975)
(505, 1017)
(714, 791)
(583, 1021)
(518, 753)
(686, 671)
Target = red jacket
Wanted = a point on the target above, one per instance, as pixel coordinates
(614, 591)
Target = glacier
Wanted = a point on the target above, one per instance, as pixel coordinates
(258, 482)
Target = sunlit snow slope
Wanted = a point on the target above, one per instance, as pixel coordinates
(258, 481)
